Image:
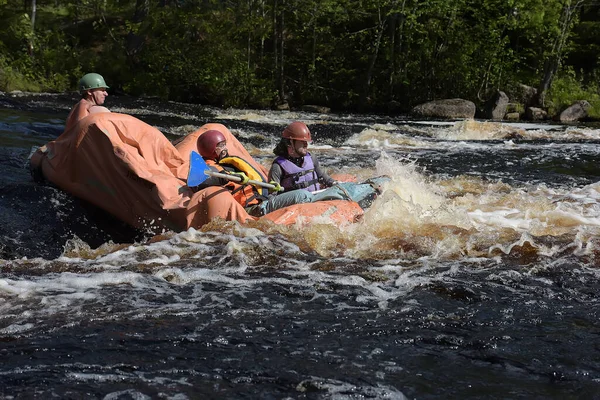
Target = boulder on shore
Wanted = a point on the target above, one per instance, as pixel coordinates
(521, 93)
(512, 116)
(284, 106)
(515, 108)
(575, 111)
(393, 107)
(535, 114)
(496, 106)
(446, 108)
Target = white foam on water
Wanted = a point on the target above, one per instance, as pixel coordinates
(534, 126)
(410, 203)
(414, 208)
(378, 137)
(130, 393)
(28, 302)
(279, 118)
(338, 390)
(385, 127)
(476, 130)
(183, 277)
(499, 218)
(468, 135)
(466, 130)
(83, 377)
(68, 284)
(434, 123)
(583, 133)
(16, 328)
(539, 209)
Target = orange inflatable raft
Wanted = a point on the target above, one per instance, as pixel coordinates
(131, 170)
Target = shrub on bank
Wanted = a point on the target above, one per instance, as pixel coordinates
(567, 88)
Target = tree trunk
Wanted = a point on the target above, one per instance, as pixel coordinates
(552, 63)
(249, 44)
(396, 30)
(392, 65)
(275, 43)
(282, 44)
(30, 46)
(134, 42)
(262, 36)
(313, 61)
(550, 69)
(279, 26)
(33, 14)
(371, 69)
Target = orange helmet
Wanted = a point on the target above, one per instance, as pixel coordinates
(207, 143)
(297, 131)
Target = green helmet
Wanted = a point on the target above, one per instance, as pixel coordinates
(92, 81)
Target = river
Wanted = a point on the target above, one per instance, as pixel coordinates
(475, 274)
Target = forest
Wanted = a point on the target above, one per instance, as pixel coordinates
(349, 55)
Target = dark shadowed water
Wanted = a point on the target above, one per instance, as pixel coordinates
(474, 276)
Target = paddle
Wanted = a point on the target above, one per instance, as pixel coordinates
(199, 172)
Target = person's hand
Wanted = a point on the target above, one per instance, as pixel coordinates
(242, 176)
(277, 187)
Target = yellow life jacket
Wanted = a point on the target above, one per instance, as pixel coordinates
(247, 194)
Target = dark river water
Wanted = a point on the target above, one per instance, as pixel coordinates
(474, 276)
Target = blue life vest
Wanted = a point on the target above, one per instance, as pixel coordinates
(295, 177)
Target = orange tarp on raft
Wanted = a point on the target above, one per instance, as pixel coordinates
(131, 170)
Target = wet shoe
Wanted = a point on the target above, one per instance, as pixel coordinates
(255, 210)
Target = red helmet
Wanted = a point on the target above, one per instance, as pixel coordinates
(297, 131)
(207, 143)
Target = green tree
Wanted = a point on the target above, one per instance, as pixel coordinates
(347, 54)
(554, 56)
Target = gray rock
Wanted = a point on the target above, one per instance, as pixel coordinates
(535, 114)
(495, 108)
(514, 108)
(446, 108)
(282, 107)
(575, 111)
(393, 107)
(512, 116)
(521, 93)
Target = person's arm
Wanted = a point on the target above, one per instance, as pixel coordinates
(98, 109)
(324, 179)
(275, 173)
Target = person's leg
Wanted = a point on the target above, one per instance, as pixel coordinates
(333, 193)
(286, 199)
(362, 193)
